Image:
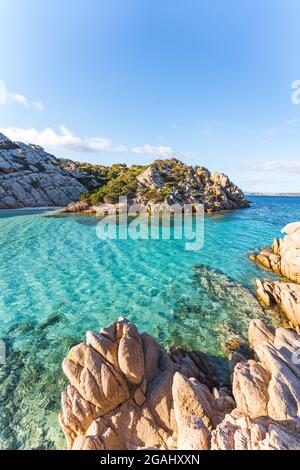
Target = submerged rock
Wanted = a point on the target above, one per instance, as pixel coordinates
(216, 297)
(139, 396)
(31, 381)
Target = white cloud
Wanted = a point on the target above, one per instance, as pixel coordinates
(17, 98)
(7, 97)
(288, 166)
(157, 151)
(64, 139)
(38, 105)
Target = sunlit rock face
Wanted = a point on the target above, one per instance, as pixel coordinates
(126, 392)
(283, 258)
(166, 184)
(282, 295)
(31, 177)
(178, 183)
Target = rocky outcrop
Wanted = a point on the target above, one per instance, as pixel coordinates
(283, 258)
(239, 432)
(267, 395)
(126, 392)
(164, 184)
(181, 184)
(284, 296)
(31, 177)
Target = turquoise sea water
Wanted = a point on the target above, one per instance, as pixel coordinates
(58, 280)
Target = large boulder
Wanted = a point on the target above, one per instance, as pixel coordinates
(126, 392)
(284, 296)
(283, 258)
(239, 432)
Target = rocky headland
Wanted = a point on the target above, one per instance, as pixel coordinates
(31, 177)
(283, 258)
(161, 185)
(126, 392)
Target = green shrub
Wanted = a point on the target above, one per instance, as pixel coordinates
(121, 181)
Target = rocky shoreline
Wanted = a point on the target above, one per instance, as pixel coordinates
(283, 258)
(161, 186)
(126, 392)
(31, 177)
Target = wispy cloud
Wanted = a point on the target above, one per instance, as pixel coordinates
(64, 139)
(38, 105)
(292, 122)
(156, 151)
(288, 166)
(8, 96)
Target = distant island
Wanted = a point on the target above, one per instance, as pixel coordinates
(274, 194)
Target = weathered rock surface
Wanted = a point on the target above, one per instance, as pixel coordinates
(188, 185)
(31, 177)
(126, 392)
(168, 183)
(239, 432)
(282, 295)
(283, 258)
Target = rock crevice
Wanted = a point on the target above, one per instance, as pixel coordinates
(126, 392)
(283, 258)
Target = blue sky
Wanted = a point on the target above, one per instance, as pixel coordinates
(107, 81)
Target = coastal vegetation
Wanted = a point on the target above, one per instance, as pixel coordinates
(117, 180)
(31, 177)
(163, 183)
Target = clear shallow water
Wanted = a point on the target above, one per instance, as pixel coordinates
(57, 280)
